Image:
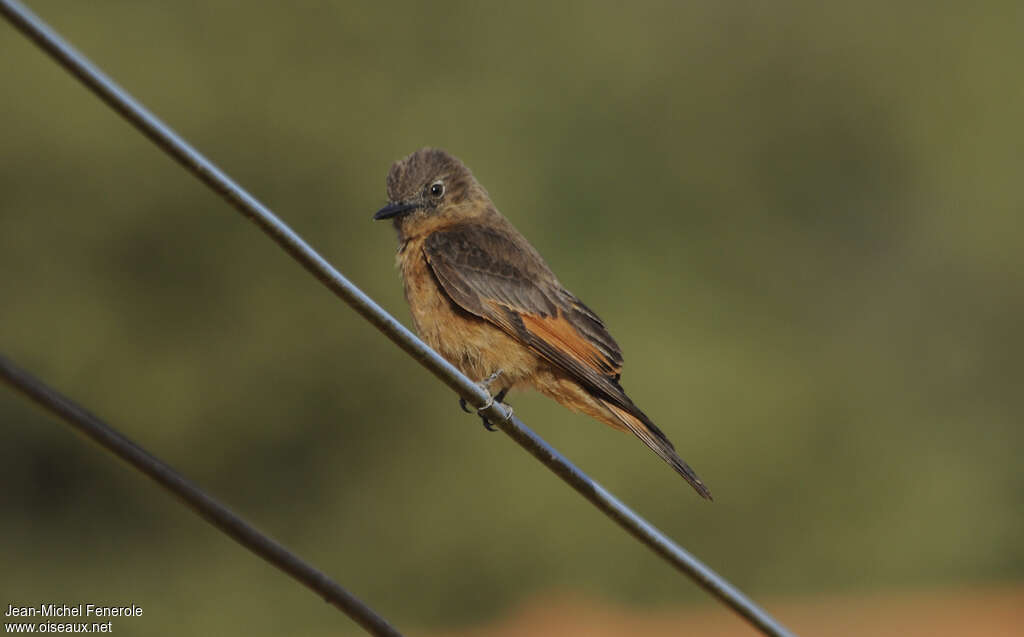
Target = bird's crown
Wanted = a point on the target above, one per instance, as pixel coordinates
(413, 176)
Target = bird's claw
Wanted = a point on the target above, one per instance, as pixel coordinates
(499, 397)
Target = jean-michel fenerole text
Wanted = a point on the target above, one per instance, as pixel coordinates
(77, 610)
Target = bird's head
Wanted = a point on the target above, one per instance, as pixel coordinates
(430, 188)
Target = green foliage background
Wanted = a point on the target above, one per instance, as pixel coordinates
(801, 222)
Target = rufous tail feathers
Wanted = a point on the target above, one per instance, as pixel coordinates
(645, 430)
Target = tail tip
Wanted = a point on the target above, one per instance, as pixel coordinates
(703, 491)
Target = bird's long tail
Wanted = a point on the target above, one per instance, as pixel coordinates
(645, 430)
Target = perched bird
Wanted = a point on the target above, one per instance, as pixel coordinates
(484, 299)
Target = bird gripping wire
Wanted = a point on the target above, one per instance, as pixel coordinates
(193, 161)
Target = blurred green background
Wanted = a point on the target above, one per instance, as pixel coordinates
(802, 223)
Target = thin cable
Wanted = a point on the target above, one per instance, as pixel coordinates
(150, 126)
(195, 498)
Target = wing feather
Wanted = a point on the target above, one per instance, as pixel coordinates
(501, 279)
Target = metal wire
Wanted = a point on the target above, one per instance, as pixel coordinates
(195, 498)
(150, 126)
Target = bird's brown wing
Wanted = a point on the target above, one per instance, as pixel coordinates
(501, 279)
(491, 275)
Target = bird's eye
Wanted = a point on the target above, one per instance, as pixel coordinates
(437, 189)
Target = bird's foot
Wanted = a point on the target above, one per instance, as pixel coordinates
(485, 383)
(499, 397)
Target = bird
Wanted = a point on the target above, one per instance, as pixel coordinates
(483, 298)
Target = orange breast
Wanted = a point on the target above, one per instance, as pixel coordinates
(472, 344)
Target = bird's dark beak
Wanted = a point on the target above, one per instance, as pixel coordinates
(394, 210)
